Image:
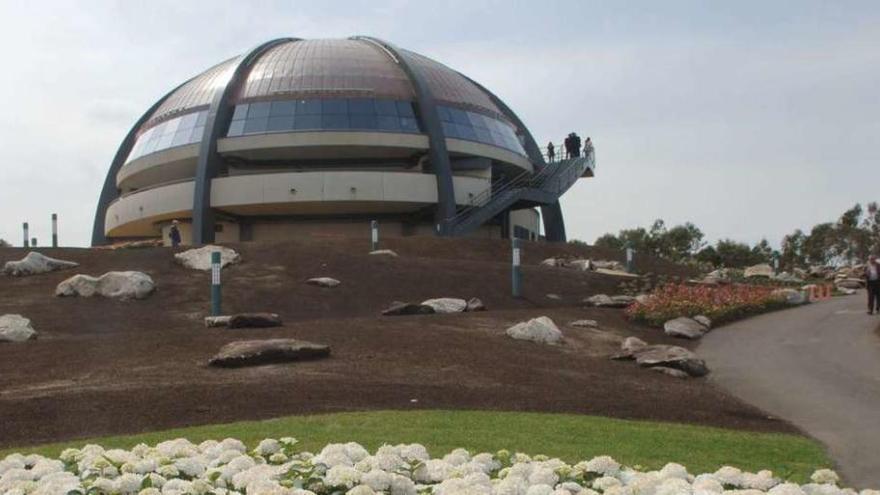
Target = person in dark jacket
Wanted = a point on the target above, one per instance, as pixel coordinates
(872, 280)
(568, 146)
(575, 145)
(551, 152)
(174, 234)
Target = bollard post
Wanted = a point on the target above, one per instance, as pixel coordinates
(374, 235)
(33, 242)
(629, 259)
(516, 273)
(215, 283)
(54, 230)
(24, 227)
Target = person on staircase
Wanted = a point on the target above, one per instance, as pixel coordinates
(575, 145)
(551, 152)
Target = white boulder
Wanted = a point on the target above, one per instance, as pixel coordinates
(323, 282)
(633, 344)
(115, 285)
(200, 258)
(584, 324)
(384, 252)
(541, 330)
(583, 265)
(35, 263)
(760, 270)
(446, 305)
(683, 326)
(703, 320)
(16, 328)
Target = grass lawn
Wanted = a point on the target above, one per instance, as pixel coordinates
(569, 437)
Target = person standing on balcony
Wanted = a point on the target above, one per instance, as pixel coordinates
(551, 152)
(575, 145)
(569, 143)
(872, 280)
(174, 234)
(588, 146)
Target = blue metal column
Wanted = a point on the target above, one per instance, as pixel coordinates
(554, 225)
(429, 120)
(210, 162)
(109, 192)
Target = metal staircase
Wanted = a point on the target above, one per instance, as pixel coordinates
(525, 190)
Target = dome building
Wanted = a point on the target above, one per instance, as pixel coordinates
(298, 137)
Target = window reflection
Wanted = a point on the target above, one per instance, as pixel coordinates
(473, 126)
(179, 131)
(367, 114)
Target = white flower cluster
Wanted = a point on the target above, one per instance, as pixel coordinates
(277, 467)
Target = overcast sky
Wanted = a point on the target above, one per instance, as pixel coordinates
(748, 118)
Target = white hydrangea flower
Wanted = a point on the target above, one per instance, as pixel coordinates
(360, 490)
(150, 491)
(191, 466)
(543, 476)
(342, 476)
(762, 480)
(786, 489)
(540, 489)
(825, 476)
(377, 479)
(432, 471)
(707, 483)
(604, 465)
(401, 485)
(605, 482)
(268, 447)
(729, 476)
(674, 486)
(821, 489)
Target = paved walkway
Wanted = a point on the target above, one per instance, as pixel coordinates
(816, 366)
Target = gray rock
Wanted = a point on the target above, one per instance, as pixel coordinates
(584, 324)
(684, 327)
(760, 270)
(16, 328)
(675, 373)
(200, 258)
(444, 305)
(845, 291)
(671, 357)
(622, 301)
(615, 273)
(541, 330)
(643, 298)
(384, 252)
(323, 282)
(115, 285)
(703, 320)
(551, 262)
(791, 296)
(475, 304)
(217, 321)
(850, 283)
(599, 300)
(398, 308)
(254, 320)
(34, 263)
(609, 265)
(555, 297)
(786, 277)
(633, 344)
(818, 271)
(257, 352)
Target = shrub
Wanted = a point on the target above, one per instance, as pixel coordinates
(720, 303)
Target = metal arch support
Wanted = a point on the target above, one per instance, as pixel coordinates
(209, 161)
(554, 225)
(429, 120)
(110, 192)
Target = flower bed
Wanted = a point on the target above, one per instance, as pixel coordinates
(178, 467)
(720, 303)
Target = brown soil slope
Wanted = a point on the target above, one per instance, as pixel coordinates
(105, 367)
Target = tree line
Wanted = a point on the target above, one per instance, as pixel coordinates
(849, 240)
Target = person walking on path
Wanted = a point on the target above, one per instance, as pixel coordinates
(551, 152)
(174, 234)
(872, 279)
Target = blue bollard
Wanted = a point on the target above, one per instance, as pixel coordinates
(54, 230)
(374, 228)
(215, 283)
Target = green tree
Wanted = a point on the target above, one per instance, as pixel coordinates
(609, 241)
(734, 254)
(818, 246)
(3, 243)
(792, 254)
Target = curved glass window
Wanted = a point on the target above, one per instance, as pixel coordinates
(179, 131)
(358, 114)
(473, 126)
